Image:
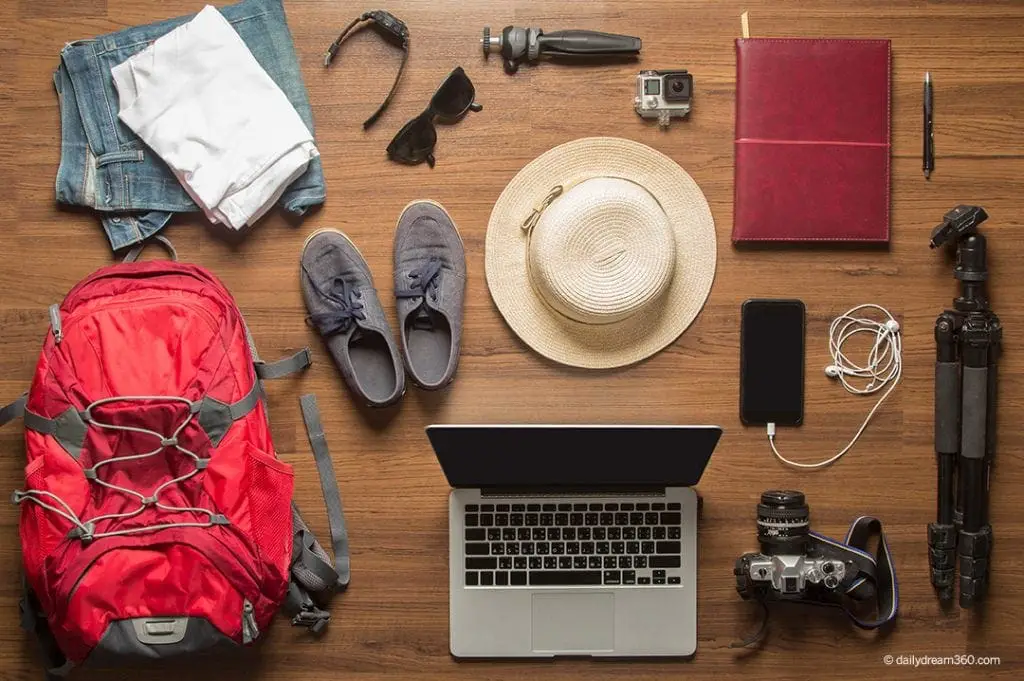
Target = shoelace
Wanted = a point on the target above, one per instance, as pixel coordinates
(348, 307)
(85, 529)
(425, 281)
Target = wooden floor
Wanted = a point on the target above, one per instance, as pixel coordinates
(393, 621)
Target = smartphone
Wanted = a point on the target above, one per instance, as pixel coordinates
(772, 362)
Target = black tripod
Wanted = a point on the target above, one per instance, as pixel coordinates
(968, 339)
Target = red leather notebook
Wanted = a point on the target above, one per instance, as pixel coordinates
(812, 140)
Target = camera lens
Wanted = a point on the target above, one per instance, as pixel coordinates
(677, 87)
(783, 521)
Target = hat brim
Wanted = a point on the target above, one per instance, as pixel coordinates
(635, 338)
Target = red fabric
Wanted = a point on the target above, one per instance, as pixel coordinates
(165, 329)
(812, 140)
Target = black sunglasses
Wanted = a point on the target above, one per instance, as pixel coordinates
(415, 142)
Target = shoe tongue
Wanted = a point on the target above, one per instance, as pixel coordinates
(422, 319)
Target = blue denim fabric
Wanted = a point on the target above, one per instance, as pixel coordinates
(104, 165)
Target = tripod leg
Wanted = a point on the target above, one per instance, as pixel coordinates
(942, 533)
(975, 535)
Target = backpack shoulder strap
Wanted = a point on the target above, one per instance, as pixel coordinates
(14, 410)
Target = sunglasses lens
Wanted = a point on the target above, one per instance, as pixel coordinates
(414, 142)
(455, 95)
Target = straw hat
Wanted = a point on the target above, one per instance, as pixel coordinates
(600, 252)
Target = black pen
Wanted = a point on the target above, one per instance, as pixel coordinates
(928, 155)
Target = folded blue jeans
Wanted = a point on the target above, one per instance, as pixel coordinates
(105, 166)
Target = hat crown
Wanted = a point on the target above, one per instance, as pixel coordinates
(602, 251)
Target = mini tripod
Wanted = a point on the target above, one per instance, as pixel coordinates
(968, 339)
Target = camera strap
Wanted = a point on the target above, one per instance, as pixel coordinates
(876, 575)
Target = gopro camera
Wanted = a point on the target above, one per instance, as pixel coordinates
(663, 95)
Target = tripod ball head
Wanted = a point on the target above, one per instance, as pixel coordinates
(957, 223)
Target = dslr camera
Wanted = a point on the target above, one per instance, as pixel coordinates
(798, 565)
(663, 95)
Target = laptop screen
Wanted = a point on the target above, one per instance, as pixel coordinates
(573, 456)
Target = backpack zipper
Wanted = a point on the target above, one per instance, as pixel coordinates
(250, 632)
(55, 323)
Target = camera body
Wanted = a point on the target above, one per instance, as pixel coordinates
(663, 95)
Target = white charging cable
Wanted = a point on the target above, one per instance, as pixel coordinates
(884, 367)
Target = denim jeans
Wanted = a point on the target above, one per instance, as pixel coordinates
(105, 166)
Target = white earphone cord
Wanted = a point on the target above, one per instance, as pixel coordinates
(884, 368)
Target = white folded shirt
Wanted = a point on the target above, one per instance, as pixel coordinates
(203, 103)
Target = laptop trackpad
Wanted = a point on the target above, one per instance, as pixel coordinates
(573, 622)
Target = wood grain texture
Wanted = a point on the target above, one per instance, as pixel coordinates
(393, 623)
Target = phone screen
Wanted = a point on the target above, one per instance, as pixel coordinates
(772, 362)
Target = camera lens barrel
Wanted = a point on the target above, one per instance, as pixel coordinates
(783, 522)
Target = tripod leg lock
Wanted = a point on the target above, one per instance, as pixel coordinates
(942, 558)
(973, 549)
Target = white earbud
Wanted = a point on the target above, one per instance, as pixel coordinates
(892, 325)
(833, 371)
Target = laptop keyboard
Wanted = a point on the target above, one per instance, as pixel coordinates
(573, 544)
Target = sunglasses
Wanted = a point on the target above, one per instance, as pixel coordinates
(415, 142)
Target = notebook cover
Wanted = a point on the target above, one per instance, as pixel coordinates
(812, 140)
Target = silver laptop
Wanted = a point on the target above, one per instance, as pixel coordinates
(573, 540)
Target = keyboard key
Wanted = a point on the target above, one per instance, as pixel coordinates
(543, 548)
(532, 519)
(550, 562)
(600, 533)
(671, 518)
(657, 507)
(565, 507)
(628, 577)
(497, 549)
(565, 563)
(558, 578)
(579, 563)
(618, 547)
(607, 519)
(625, 507)
(590, 519)
(675, 532)
(501, 579)
(594, 562)
(602, 548)
(486, 579)
(643, 532)
(610, 562)
(576, 519)
(615, 533)
(640, 562)
(472, 520)
(502, 508)
(481, 563)
(650, 518)
(579, 507)
(666, 561)
(636, 518)
(612, 577)
(658, 573)
(548, 507)
(493, 534)
(622, 518)
(659, 532)
(472, 508)
(511, 549)
(516, 519)
(472, 579)
(533, 507)
(675, 580)
(568, 533)
(643, 507)
(504, 563)
(643, 580)
(509, 534)
(587, 548)
(475, 534)
(647, 547)
(611, 507)
(518, 508)
(669, 547)
(629, 533)
(539, 534)
(519, 563)
(523, 533)
(659, 580)
(554, 533)
(675, 506)
(501, 519)
(557, 548)
(561, 519)
(535, 562)
(487, 508)
(527, 548)
(478, 549)
(596, 507)
(632, 547)
(625, 562)
(583, 533)
(572, 548)
(547, 518)
(517, 579)
(486, 519)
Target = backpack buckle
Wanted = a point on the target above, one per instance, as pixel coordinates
(313, 618)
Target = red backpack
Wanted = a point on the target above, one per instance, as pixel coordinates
(156, 518)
